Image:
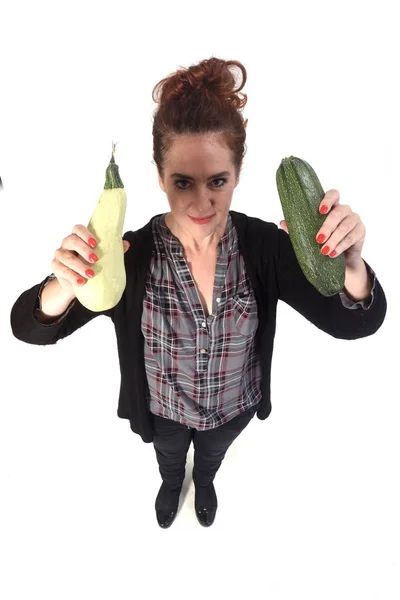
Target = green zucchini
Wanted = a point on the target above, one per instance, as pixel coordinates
(300, 193)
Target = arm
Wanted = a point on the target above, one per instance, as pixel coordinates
(30, 325)
(326, 312)
(27, 317)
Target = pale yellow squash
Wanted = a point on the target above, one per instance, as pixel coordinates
(105, 289)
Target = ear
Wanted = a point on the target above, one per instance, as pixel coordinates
(238, 176)
(160, 181)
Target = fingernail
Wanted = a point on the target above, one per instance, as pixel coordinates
(326, 250)
(333, 253)
(92, 243)
(92, 257)
(89, 273)
(320, 238)
(324, 209)
(80, 281)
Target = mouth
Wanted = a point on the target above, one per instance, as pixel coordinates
(202, 219)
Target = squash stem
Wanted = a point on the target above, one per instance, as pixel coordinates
(113, 179)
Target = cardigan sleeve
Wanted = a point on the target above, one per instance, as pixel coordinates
(329, 313)
(27, 328)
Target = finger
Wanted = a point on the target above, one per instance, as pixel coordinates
(333, 221)
(330, 199)
(79, 247)
(62, 271)
(348, 233)
(84, 233)
(283, 225)
(74, 261)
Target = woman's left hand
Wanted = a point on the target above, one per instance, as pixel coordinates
(342, 229)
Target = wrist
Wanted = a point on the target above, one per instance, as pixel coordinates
(357, 283)
(54, 299)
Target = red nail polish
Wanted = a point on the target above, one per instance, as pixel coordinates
(333, 253)
(324, 209)
(89, 273)
(92, 242)
(320, 238)
(80, 281)
(326, 250)
(92, 257)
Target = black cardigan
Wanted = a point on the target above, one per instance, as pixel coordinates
(274, 273)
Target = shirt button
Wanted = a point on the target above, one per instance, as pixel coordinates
(203, 324)
(203, 350)
(218, 300)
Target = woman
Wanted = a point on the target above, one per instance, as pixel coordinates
(196, 323)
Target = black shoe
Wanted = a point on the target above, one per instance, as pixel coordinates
(206, 516)
(165, 519)
(205, 503)
(167, 503)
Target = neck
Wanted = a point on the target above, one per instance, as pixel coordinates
(196, 245)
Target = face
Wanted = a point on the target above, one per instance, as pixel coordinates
(195, 185)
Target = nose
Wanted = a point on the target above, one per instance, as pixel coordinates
(203, 203)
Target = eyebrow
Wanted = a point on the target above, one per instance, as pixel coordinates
(192, 178)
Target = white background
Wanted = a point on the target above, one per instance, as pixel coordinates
(308, 499)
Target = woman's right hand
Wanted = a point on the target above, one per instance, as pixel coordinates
(71, 262)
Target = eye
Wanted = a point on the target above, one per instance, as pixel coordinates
(186, 181)
(180, 181)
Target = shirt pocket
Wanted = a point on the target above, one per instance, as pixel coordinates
(245, 313)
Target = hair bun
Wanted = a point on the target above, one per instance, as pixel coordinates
(211, 77)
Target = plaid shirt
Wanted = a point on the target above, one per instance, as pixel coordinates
(202, 371)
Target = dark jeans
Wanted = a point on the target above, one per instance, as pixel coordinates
(172, 441)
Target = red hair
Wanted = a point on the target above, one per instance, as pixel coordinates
(199, 100)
